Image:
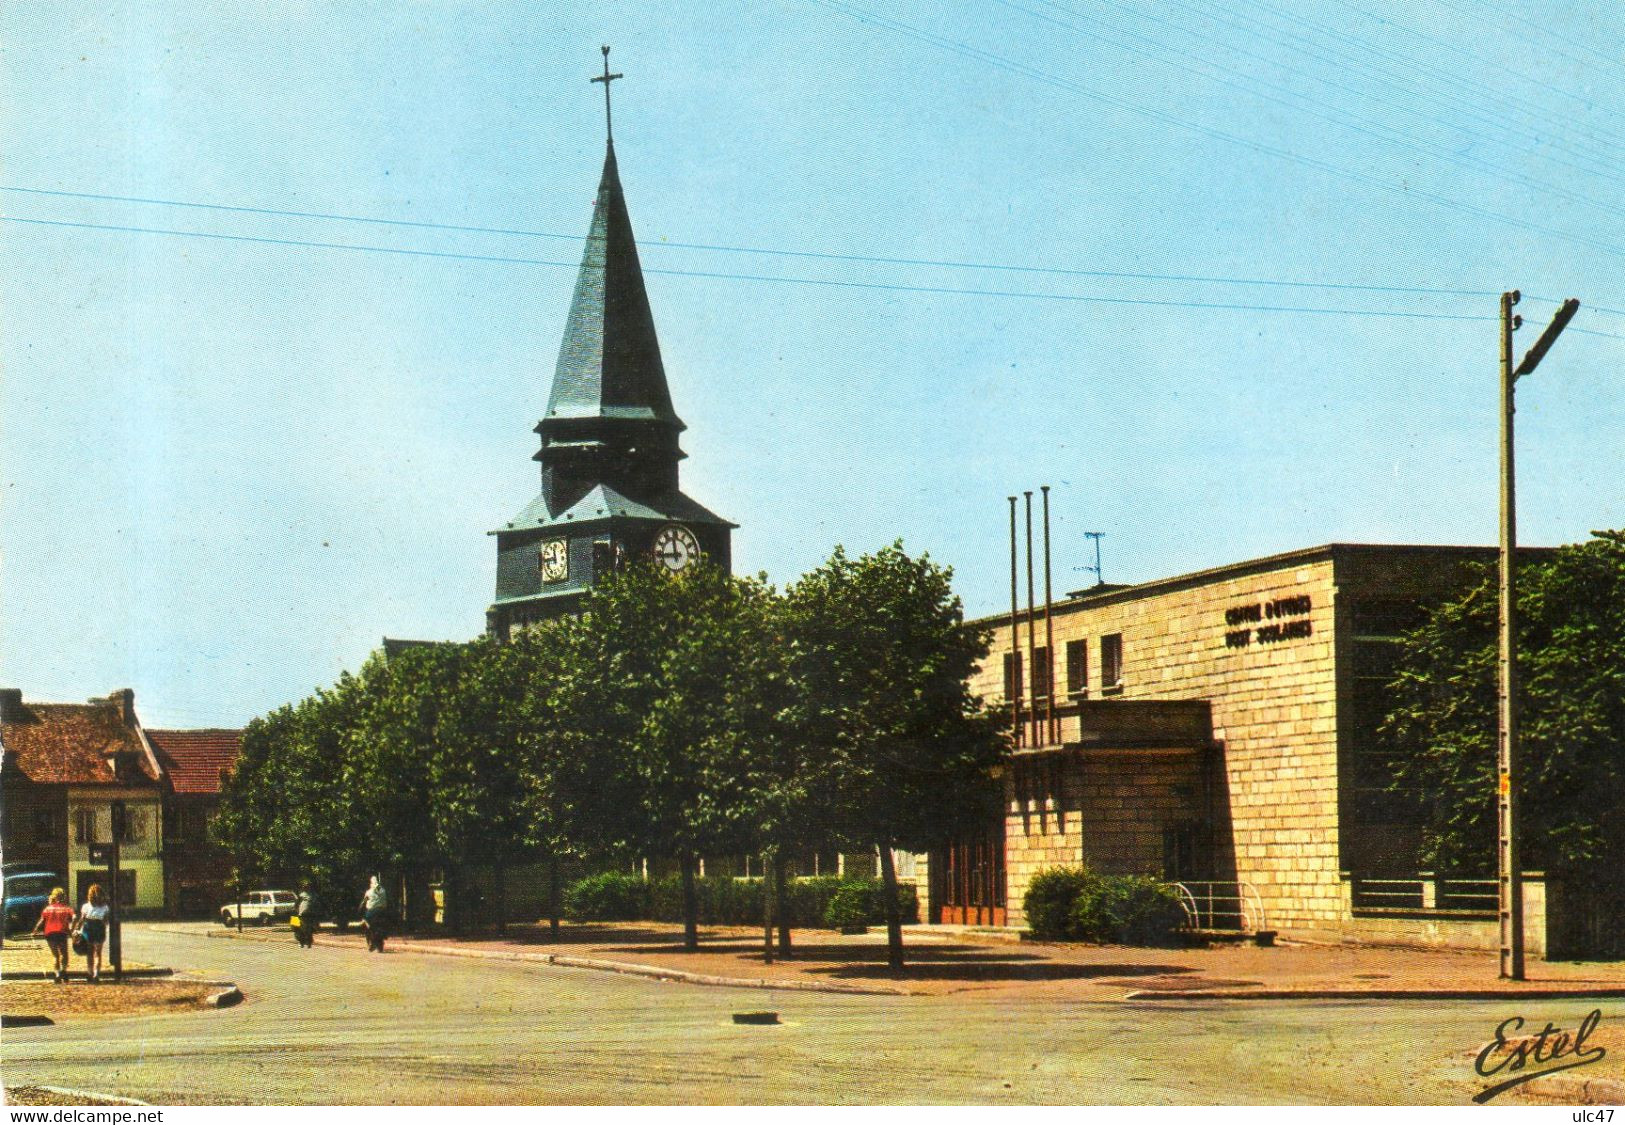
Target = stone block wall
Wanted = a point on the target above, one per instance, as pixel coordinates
(1105, 808)
(1257, 643)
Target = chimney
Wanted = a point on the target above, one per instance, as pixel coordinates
(123, 702)
(11, 704)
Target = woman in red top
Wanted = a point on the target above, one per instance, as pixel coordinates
(56, 920)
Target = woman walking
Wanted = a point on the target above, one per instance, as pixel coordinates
(304, 918)
(92, 924)
(57, 921)
(375, 914)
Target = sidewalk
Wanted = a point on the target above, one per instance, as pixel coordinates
(29, 958)
(942, 960)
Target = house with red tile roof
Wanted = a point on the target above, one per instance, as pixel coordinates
(63, 766)
(196, 763)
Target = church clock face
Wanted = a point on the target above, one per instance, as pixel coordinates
(676, 548)
(555, 560)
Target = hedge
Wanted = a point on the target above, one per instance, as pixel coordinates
(1075, 904)
(726, 901)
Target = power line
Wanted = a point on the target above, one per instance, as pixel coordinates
(808, 254)
(1561, 38)
(1536, 142)
(824, 282)
(1326, 111)
(1071, 86)
(1427, 71)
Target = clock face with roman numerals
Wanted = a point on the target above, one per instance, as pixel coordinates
(676, 548)
(555, 560)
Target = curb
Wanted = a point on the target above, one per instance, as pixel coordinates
(652, 972)
(228, 997)
(565, 960)
(41, 974)
(88, 1095)
(1612, 993)
(725, 982)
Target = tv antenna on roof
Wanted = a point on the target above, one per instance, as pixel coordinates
(1100, 578)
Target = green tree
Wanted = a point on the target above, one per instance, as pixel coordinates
(883, 660)
(1571, 658)
(285, 811)
(569, 796)
(675, 682)
(476, 799)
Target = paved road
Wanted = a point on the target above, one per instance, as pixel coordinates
(334, 1026)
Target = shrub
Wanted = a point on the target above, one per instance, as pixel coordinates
(724, 900)
(1090, 918)
(853, 904)
(1073, 904)
(1143, 910)
(908, 903)
(610, 896)
(1049, 901)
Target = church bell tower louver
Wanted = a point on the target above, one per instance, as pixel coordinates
(609, 440)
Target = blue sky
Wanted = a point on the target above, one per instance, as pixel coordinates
(232, 464)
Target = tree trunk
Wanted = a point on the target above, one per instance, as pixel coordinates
(691, 907)
(769, 906)
(553, 905)
(419, 898)
(779, 864)
(457, 894)
(894, 917)
(502, 897)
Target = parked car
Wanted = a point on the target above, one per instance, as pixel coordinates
(26, 893)
(260, 908)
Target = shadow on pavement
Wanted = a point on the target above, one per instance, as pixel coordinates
(993, 970)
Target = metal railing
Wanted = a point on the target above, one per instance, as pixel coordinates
(1388, 894)
(1424, 894)
(1222, 906)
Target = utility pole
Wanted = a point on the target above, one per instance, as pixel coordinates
(115, 924)
(1508, 844)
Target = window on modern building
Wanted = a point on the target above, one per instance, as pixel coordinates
(1077, 668)
(1041, 674)
(1012, 676)
(84, 826)
(1111, 661)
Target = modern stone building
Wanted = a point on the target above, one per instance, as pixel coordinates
(1219, 729)
(610, 450)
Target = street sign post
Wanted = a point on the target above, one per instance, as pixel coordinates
(115, 934)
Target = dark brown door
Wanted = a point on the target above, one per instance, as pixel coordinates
(967, 881)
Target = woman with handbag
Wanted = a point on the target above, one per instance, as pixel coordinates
(304, 917)
(91, 925)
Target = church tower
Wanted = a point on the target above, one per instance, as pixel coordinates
(609, 439)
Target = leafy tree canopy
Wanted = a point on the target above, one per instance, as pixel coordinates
(1571, 659)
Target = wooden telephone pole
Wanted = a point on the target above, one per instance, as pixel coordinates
(1508, 844)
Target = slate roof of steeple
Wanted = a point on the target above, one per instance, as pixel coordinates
(609, 365)
(604, 502)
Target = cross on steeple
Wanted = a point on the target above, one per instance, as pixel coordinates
(606, 78)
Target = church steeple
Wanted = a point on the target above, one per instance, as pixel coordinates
(609, 439)
(609, 416)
